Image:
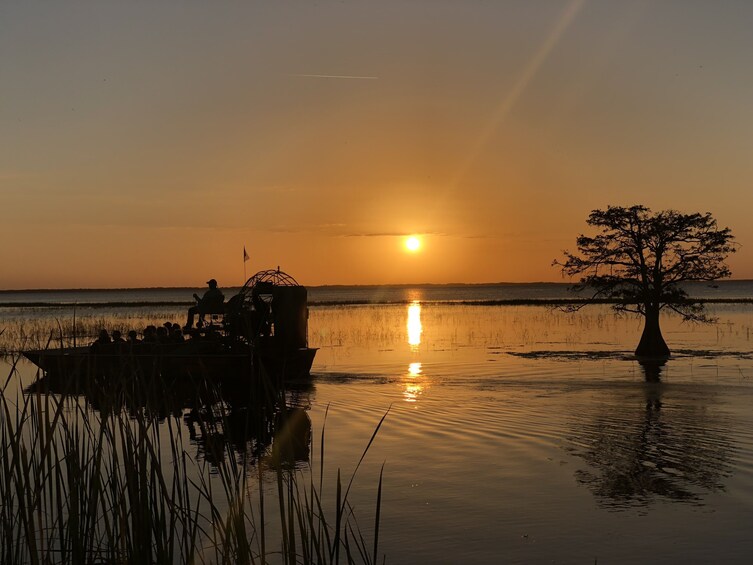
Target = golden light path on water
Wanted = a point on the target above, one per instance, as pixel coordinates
(413, 387)
(415, 329)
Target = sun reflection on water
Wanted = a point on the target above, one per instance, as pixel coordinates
(414, 325)
(414, 384)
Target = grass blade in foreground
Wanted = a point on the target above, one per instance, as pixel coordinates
(120, 485)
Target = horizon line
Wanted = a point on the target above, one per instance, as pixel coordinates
(331, 285)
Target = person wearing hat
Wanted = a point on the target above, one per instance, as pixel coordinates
(211, 302)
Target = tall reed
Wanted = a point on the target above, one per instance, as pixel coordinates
(116, 485)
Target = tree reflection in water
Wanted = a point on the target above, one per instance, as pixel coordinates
(653, 442)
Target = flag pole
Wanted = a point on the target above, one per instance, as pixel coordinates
(245, 259)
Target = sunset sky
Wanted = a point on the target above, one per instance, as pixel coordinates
(145, 143)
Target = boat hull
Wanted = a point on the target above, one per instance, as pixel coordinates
(175, 361)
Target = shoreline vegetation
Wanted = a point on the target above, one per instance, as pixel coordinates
(337, 286)
(315, 303)
(115, 481)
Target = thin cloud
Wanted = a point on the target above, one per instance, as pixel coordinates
(304, 228)
(340, 230)
(527, 236)
(390, 234)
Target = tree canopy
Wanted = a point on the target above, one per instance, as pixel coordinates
(640, 260)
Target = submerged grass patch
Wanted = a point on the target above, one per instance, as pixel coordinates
(119, 485)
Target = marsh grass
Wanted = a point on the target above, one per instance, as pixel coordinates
(120, 486)
(25, 328)
(456, 326)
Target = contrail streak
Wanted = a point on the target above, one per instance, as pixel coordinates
(348, 77)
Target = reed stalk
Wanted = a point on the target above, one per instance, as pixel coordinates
(119, 485)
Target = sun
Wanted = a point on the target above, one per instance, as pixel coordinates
(412, 244)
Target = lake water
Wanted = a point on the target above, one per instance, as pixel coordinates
(462, 293)
(523, 434)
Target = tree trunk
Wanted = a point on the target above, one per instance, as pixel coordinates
(652, 343)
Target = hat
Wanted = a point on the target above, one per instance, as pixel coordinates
(212, 282)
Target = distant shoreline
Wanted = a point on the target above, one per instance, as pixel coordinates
(324, 303)
(322, 286)
(334, 286)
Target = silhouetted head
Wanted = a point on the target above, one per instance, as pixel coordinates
(132, 335)
(103, 335)
(212, 283)
(116, 334)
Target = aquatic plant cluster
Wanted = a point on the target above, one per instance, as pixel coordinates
(118, 485)
(39, 329)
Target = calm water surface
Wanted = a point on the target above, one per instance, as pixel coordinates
(522, 434)
(528, 435)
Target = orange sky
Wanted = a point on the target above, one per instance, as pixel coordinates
(144, 144)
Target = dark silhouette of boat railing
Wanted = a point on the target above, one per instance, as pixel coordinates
(270, 312)
(273, 304)
(263, 327)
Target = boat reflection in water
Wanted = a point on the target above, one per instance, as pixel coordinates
(652, 442)
(281, 437)
(224, 418)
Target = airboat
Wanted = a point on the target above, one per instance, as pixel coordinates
(263, 329)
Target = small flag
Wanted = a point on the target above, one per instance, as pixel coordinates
(245, 255)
